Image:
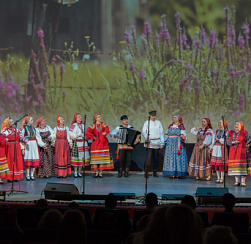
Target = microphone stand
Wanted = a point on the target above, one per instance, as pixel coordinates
(12, 191)
(147, 152)
(224, 157)
(84, 158)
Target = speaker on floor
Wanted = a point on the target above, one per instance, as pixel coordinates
(210, 195)
(53, 189)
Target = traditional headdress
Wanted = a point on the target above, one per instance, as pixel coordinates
(75, 118)
(25, 121)
(6, 124)
(180, 121)
(209, 125)
(95, 118)
(58, 119)
(242, 125)
(39, 121)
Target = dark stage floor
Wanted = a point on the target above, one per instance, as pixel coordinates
(134, 184)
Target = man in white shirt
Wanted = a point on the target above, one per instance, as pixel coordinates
(154, 141)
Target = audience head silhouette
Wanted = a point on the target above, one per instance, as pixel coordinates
(110, 201)
(151, 200)
(189, 201)
(228, 201)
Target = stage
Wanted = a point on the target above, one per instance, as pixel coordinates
(111, 184)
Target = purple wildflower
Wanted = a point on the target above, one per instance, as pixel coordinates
(231, 72)
(36, 103)
(243, 59)
(32, 76)
(212, 38)
(245, 28)
(131, 67)
(177, 15)
(33, 54)
(141, 75)
(157, 94)
(40, 98)
(127, 37)
(45, 74)
(190, 67)
(163, 16)
(185, 82)
(196, 42)
(236, 113)
(166, 35)
(40, 86)
(40, 33)
(62, 69)
(249, 71)
(27, 99)
(157, 41)
(54, 60)
(205, 61)
(184, 40)
(203, 37)
(241, 42)
(147, 28)
(240, 72)
(8, 94)
(213, 72)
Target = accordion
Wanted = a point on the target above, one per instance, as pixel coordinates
(128, 136)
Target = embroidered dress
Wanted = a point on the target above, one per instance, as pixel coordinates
(101, 158)
(10, 149)
(217, 158)
(32, 154)
(62, 157)
(175, 160)
(47, 155)
(4, 170)
(77, 152)
(199, 164)
(238, 163)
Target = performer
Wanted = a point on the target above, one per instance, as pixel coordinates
(217, 147)
(237, 163)
(30, 150)
(45, 143)
(77, 152)
(155, 141)
(62, 157)
(199, 164)
(100, 154)
(175, 161)
(13, 150)
(4, 170)
(124, 150)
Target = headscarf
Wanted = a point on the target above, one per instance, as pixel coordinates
(25, 121)
(39, 121)
(179, 119)
(75, 118)
(6, 124)
(209, 125)
(95, 118)
(58, 119)
(242, 125)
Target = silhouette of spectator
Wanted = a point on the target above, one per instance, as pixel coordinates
(173, 223)
(189, 201)
(72, 229)
(228, 201)
(220, 235)
(107, 221)
(110, 201)
(143, 222)
(41, 203)
(50, 220)
(151, 200)
(73, 205)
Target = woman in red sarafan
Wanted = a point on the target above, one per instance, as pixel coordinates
(237, 163)
(4, 170)
(62, 157)
(100, 154)
(12, 145)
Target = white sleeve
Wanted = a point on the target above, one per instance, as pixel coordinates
(72, 132)
(68, 135)
(193, 131)
(162, 136)
(213, 141)
(22, 134)
(114, 132)
(144, 130)
(53, 135)
(55, 132)
(39, 139)
(208, 138)
(183, 132)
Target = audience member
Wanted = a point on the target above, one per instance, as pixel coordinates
(220, 235)
(107, 221)
(73, 205)
(72, 229)
(173, 223)
(50, 220)
(228, 201)
(189, 201)
(110, 201)
(41, 203)
(143, 222)
(151, 200)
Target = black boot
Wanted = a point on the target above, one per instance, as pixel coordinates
(126, 173)
(120, 173)
(155, 173)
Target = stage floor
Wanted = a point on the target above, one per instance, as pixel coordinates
(134, 184)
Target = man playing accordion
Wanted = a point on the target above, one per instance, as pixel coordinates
(127, 138)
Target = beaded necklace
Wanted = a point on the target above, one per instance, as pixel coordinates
(30, 130)
(220, 134)
(237, 136)
(99, 128)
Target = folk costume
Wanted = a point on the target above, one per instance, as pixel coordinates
(124, 151)
(62, 157)
(45, 139)
(76, 133)
(199, 165)
(101, 158)
(156, 136)
(31, 151)
(238, 164)
(4, 170)
(217, 158)
(13, 151)
(175, 160)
